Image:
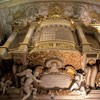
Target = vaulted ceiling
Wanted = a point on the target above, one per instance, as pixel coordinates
(12, 10)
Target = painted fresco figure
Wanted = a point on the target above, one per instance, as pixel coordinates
(91, 72)
(30, 78)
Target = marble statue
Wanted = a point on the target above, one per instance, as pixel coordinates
(30, 78)
(38, 71)
(91, 72)
(79, 85)
(53, 68)
(5, 84)
(54, 65)
(75, 86)
(22, 85)
(34, 93)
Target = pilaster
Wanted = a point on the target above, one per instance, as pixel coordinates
(5, 47)
(83, 41)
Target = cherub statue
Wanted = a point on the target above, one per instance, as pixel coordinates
(91, 73)
(38, 71)
(30, 78)
(53, 68)
(4, 84)
(34, 93)
(79, 85)
(22, 84)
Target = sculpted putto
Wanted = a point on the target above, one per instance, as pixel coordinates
(38, 71)
(30, 78)
(5, 84)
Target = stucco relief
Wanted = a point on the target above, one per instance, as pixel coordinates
(95, 17)
(94, 8)
(31, 10)
(79, 11)
(55, 64)
(69, 11)
(69, 57)
(43, 9)
(23, 15)
(6, 19)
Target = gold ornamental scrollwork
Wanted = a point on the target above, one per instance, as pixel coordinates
(54, 45)
(68, 57)
(55, 10)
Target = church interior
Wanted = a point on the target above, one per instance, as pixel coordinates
(49, 49)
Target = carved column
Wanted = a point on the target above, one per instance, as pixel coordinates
(23, 48)
(21, 53)
(5, 47)
(84, 43)
(24, 45)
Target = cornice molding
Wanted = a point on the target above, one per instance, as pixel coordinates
(9, 3)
